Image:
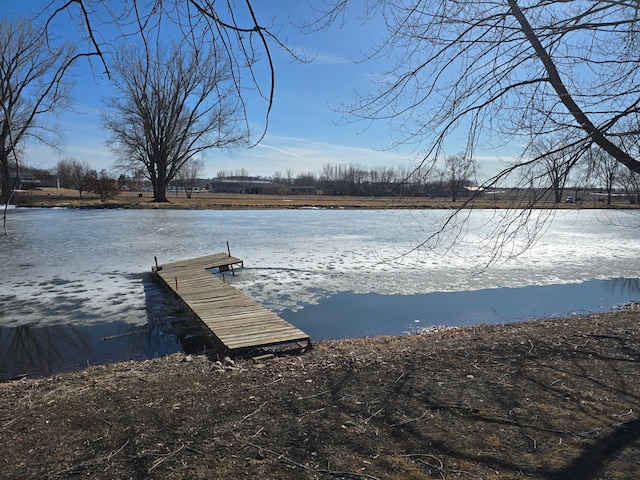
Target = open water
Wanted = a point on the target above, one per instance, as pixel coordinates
(75, 285)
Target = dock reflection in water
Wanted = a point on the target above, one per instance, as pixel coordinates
(37, 350)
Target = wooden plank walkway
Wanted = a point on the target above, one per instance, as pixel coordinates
(235, 320)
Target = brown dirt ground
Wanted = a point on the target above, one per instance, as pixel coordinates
(549, 399)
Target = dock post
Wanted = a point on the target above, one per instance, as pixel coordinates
(176, 284)
(158, 268)
(228, 248)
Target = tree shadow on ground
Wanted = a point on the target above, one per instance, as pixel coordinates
(594, 459)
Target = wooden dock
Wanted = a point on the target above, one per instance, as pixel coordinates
(236, 321)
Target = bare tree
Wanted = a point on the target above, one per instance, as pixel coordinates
(506, 69)
(608, 171)
(171, 106)
(630, 180)
(458, 172)
(74, 174)
(289, 176)
(32, 86)
(188, 175)
(555, 162)
(631, 183)
(583, 175)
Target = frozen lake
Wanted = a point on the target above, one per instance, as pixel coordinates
(75, 285)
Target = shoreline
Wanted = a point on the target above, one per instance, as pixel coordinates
(64, 198)
(457, 309)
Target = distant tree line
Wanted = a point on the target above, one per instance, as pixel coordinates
(451, 180)
(356, 180)
(560, 177)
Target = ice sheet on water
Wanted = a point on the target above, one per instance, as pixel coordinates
(572, 250)
(58, 300)
(79, 266)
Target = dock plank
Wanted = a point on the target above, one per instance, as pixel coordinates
(236, 320)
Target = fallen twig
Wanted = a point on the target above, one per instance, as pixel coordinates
(162, 459)
(315, 395)
(113, 454)
(370, 417)
(252, 413)
(6, 424)
(102, 437)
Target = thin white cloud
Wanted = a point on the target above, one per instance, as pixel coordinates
(331, 59)
(278, 149)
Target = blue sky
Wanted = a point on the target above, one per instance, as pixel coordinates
(303, 133)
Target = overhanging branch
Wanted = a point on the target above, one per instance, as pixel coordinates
(565, 97)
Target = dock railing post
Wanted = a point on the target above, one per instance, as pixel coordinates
(228, 248)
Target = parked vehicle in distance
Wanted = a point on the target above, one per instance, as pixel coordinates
(570, 200)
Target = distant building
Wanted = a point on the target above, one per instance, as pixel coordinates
(240, 185)
(30, 179)
(25, 182)
(49, 181)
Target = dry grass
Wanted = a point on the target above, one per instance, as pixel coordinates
(549, 400)
(50, 197)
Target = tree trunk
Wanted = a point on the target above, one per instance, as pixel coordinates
(160, 189)
(5, 193)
